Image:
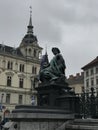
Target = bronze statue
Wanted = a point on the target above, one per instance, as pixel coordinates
(55, 69)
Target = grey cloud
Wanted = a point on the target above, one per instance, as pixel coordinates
(49, 32)
(68, 11)
(72, 25)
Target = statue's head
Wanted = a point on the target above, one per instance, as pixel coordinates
(55, 50)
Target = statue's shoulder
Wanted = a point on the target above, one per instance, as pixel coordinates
(59, 58)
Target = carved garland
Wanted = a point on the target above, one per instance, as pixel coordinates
(21, 76)
(9, 73)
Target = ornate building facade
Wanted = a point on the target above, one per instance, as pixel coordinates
(91, 75)
(18, 66)
(76, 82)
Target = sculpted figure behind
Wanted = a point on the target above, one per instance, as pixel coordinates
(54, 70)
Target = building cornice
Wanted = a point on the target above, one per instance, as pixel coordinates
(25, 59)
(24, 91)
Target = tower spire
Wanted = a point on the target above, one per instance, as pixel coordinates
(30, 27)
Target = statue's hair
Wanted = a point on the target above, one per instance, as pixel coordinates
(55, 49)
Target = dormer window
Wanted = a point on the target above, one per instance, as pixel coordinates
(2, 47)
(14, 51)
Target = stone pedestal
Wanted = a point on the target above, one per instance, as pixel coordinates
(38, 118)
(57, 95)
(82, 124)
(56, 106)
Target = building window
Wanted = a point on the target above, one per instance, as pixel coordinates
(9, 79)
(97, 70)
(10, 65)
(87, 74)
(92, 81)
(34, 70)
(34, 53)
(97, 80)
(92, 71)
(21, 83)
(30, 51)
(26, 50)
(8, 98)
(20, 100)
(21, 68)
(87, 83)
(40, 55)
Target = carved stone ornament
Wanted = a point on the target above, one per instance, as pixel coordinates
(10, 73)
(21, 75)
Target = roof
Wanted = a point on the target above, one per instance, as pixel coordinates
(15, 52)
(29, 38)
(78, 79)
(91, 64)
(10, 50)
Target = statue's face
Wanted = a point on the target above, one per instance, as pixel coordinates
(55, 51)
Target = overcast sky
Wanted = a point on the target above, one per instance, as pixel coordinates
(71, 25)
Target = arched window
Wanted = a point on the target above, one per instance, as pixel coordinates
(21, 80)
(34, 53)
(9, 80)
(30, 51)
(39, 55)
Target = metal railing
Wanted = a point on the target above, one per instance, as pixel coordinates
(88, 104)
